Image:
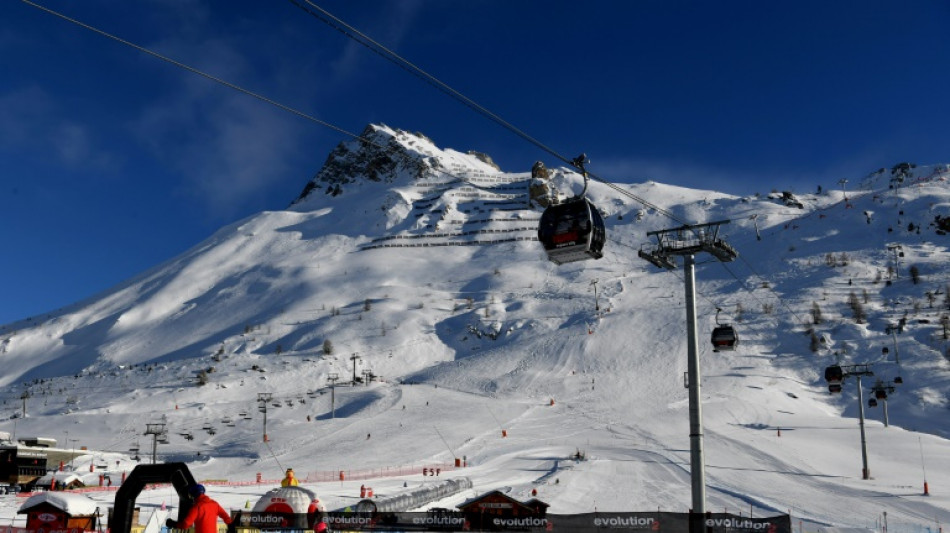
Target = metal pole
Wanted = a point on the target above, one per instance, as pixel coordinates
(263, 398)
(885, 412)
(897, 354)
(332, 402)
(596, 301)
(696, 463)
(154, 446)
(865, 472)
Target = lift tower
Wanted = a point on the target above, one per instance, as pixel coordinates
(687, 241)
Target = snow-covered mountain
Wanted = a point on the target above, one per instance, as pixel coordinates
(412, 275)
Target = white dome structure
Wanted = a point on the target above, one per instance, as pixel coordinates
(296, 500)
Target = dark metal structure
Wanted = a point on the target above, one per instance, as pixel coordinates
(835, 375)
(687, 241)
(175, 473)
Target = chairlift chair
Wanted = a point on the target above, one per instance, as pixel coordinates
(880, 394)
(872, 403)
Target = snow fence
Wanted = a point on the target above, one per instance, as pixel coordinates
(416, 498)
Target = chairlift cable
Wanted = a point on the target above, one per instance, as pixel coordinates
(391, 56)
(346, 29)
(228, 84)
(191, 69)
(333, 127)
(377, 48)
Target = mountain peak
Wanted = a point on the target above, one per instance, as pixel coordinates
(381, 154)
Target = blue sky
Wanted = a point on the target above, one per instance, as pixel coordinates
(112, 161)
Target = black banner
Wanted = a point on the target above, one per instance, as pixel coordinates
(449, 521)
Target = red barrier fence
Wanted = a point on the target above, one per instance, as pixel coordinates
(311, 477)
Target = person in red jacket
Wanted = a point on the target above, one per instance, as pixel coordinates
(204, 513)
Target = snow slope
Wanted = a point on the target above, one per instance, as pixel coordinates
(425, 274)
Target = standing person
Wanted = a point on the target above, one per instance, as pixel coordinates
(204, 513)
(289, 479)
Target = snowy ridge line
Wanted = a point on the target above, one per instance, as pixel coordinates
(454, 243)
(456, 234)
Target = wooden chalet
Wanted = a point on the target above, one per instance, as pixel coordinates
(495, 504)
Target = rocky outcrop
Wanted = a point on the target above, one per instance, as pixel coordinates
(540, 189)
(380, 154)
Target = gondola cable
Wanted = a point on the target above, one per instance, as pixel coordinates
(379, 49)
(346, 29)
(228, 84)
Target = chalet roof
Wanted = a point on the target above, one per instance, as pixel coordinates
(530, 503)
(68, 502)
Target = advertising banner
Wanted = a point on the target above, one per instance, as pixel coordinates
(447, 521)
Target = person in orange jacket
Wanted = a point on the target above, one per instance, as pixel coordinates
(289, 479)
(204, 513)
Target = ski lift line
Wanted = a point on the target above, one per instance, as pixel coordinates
(338, 129)
(377, 48)
(233, 86)
(191, 69)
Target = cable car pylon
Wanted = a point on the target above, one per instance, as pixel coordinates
(687, 241)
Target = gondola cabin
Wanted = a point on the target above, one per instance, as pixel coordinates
(834, 376)
(724, 338)
(572, 231)
(872, 403)
(880, 394)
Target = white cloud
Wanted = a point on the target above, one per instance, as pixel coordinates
(32, 121)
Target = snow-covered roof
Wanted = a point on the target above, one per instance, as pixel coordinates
(70, 503)
(62, 478)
